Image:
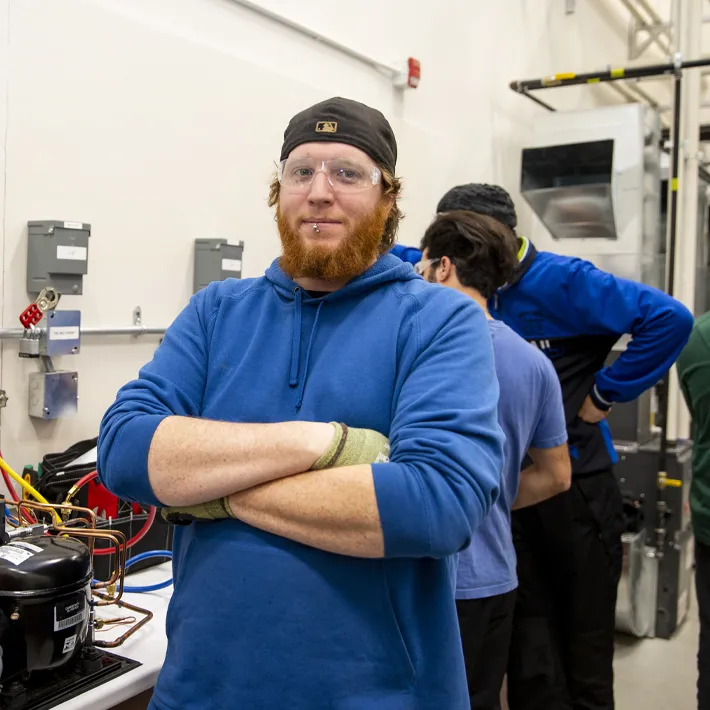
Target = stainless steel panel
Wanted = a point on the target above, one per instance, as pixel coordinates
(61, 334)
(578, 212)
(636, 600)
(53, 394)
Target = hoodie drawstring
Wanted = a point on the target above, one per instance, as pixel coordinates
(296, 345)
(296, 340)
(308, 356)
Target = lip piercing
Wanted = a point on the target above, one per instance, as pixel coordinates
(315, 228)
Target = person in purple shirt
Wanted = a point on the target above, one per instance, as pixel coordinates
(476, 255)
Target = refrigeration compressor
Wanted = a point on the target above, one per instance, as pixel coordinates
(47, 615)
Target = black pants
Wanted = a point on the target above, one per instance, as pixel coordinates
(486, 625)
(702, 590)
(569, 565)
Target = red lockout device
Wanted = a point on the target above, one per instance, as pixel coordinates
(46, 301)
(31, 316)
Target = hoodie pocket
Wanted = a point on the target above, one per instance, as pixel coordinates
(399, 645)
(299, 618)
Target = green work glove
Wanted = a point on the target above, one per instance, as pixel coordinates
(184, 515)
(348, 448)
(354, 446)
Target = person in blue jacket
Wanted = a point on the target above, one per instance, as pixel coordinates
(569, 547)
(476, 255)
(339, 415)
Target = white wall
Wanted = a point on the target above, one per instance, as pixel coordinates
(158, 121)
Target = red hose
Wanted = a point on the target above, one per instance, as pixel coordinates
(13, 494)
(10, 487)
(137, 537)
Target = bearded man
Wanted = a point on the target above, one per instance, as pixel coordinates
(326, 437)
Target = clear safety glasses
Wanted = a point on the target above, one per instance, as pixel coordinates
(421, 266)
(297, 174)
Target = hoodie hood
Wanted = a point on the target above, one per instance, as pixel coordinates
(386, 269)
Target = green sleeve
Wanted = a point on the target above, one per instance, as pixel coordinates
(694, 375)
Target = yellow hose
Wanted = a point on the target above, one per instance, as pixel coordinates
(21, 481)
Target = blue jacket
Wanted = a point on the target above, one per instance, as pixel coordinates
(575, 313)
(259, 621)
(411, 255)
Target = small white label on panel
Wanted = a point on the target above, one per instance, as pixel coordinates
(231, 265)
(71, 253)
(73, 225)
(64, 333)
(69, 644)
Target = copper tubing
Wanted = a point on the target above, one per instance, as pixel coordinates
(119, 541)
(49, 507)
(90, 534)
(147, 616)
(74, 521)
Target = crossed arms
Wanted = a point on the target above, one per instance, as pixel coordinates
(261, 466)
(446, 445)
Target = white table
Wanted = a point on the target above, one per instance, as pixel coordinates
(147, 645)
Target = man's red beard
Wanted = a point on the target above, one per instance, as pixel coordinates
(356, 252)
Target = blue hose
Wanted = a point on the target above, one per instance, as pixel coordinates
(148, 587)
(146, 556)
(8, 515)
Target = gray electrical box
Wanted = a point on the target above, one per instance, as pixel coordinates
(57, 256)
(53, 394)
(216, 260)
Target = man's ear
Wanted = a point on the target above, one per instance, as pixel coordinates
(388, 201)
(445, 270)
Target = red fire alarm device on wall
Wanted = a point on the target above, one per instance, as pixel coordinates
(410, 75)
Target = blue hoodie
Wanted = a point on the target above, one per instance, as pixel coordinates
(258, 621)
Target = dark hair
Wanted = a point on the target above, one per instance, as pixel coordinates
(481, 198)
(484, 250)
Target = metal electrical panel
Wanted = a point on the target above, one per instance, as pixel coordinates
(53, 394)
(216, 260)
(57, 255)
(62, 335)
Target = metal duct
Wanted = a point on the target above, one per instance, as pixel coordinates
(569, 188)
(593, 179)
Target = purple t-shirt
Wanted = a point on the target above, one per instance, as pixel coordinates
(530, 413)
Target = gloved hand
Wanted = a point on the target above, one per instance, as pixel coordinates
(185, 514)
(349, 447)
(353, 446)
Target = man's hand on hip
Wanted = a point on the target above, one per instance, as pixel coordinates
(590, 413)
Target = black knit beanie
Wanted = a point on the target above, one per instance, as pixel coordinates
(341, 120)
(489, 200)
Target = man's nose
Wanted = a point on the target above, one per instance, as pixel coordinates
(321, 191)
